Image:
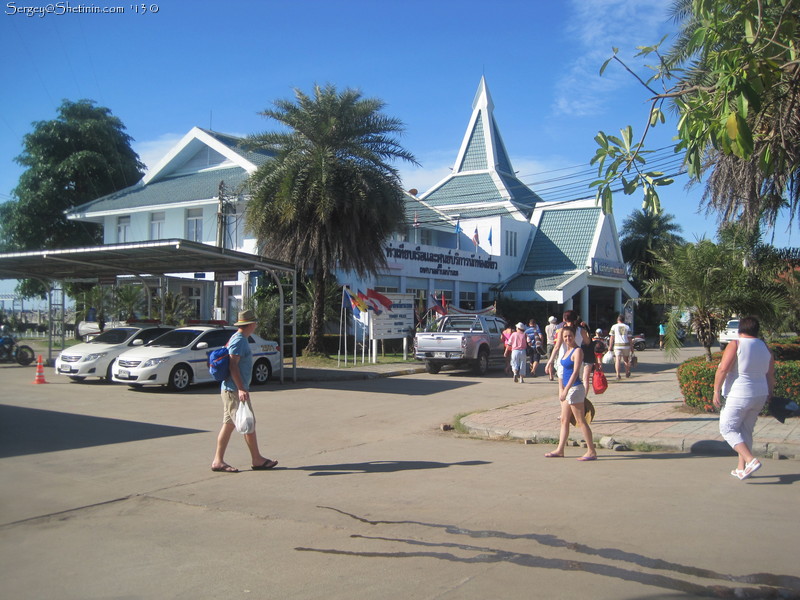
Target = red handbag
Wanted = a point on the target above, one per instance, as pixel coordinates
(599, 382)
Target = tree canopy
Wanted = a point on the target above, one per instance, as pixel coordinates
(330, 196)
(82, 154)
(733, 77)
(645, 237)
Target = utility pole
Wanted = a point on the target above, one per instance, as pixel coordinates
(221, 226)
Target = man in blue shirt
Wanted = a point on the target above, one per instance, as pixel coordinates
(236, 390)
(534, 335)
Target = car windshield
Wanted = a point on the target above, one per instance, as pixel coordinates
(733, 325)
(177, 338)
(118, 335)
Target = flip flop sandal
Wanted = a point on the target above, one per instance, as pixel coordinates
(268, 464)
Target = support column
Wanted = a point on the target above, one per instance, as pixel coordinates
(618, 301)
(584, 312)
(568, 304)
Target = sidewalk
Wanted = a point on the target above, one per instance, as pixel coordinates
(646, 409)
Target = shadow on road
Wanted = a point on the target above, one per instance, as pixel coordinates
(383, 466)
(33, 431)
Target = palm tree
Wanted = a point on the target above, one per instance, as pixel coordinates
(711, 282)
(329, 197)
(128, 299)
(644, 238)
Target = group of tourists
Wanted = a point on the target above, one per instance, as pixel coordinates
(745, 378)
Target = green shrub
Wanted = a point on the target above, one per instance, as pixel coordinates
(696, 381)
(785, 350)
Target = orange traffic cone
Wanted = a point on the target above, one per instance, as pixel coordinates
(39, 371)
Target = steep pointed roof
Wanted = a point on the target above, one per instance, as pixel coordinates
(483, 182)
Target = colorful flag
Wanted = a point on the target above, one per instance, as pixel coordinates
(355, 301)
(434, 304)
(444, 303)
(458, 226)
(369, 303)
(490, 237)
(416, 219)
(475, 239)
(380, 298)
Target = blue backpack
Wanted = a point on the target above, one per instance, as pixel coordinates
(219, 363)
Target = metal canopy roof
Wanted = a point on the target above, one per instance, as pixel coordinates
(156, 258)
(139, 258)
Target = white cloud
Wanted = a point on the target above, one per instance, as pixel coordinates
(595, 26)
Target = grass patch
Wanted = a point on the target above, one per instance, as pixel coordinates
(645, 447)
(458, 426)
(332, 362)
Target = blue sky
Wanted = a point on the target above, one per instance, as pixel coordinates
(217, 64)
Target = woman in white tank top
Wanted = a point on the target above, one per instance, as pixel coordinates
(746, 378)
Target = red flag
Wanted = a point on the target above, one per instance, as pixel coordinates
(372, 294)
(444, 303)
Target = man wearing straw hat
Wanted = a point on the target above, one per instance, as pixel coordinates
(236, 390)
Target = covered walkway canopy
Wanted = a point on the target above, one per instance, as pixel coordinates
(145, 259)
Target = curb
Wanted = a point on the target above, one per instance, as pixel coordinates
(700, 447)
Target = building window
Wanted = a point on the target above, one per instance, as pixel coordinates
(123, 229)
(466, 300)
(193, 294)
(157, 225)
(511, 243)
(194, 224)
(426, 237)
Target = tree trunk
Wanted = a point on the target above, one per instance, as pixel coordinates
(315, 341)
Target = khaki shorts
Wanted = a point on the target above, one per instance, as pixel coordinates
(576, 394)
(626, 351)
(230, 404)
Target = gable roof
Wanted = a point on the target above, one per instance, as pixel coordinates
(483, 182)
(563, 240)
(190, 172)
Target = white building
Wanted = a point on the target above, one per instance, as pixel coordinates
(477, 233)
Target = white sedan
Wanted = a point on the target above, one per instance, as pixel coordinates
(94, 358)
(179, 358)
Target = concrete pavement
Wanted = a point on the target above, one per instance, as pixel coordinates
(644, 411)
(107, 493)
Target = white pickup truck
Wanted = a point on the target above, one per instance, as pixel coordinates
(462, 340)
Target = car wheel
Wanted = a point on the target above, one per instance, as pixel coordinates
(432, 368)
(108, 372)
(179, 378)
(76, 378)
(262, 372)
(481, 366)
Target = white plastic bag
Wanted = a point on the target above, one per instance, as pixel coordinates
(608, 358)
(244, 421)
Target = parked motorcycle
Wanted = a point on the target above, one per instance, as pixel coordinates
(10, 351)
(639, 343)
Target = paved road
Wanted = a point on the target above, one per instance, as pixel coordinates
(108, 494)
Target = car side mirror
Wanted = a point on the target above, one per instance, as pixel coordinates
(202, 346)
(139, 342)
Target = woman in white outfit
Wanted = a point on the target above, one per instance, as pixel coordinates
(746, 378)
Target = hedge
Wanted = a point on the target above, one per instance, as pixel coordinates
(696, 380)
